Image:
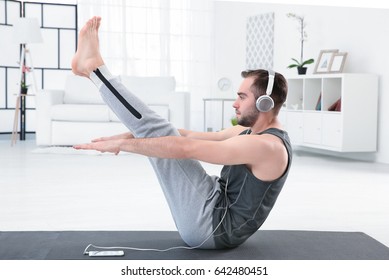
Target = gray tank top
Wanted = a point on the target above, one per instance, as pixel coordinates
(249, 200)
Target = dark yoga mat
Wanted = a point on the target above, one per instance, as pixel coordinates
(263, 245)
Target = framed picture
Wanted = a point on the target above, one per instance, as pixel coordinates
(324, 61)
(337, 62)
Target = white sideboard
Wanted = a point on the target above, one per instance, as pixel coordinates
(351, 127)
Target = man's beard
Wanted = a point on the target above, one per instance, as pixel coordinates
(249, 119)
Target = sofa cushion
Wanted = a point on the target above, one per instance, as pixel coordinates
(80, 113)
(81, 90)
(70, 133)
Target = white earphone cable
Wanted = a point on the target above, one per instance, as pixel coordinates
(171, 248)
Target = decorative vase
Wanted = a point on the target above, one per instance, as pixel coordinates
(301, 70)
(24, 90)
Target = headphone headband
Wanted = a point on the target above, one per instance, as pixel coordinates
(270, 83)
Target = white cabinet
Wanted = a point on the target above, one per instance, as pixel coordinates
(336, 112)
(332, 129)
(294, 126)
(312, 128)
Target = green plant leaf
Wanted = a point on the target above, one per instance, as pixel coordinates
(309, 61)
(293, 65)
(297, 64)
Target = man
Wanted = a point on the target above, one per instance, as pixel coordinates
(209, 212)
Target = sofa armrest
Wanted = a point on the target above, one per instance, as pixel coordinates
(45, 100)
(179, 105)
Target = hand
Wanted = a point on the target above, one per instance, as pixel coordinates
(126, 135)
(110, 146)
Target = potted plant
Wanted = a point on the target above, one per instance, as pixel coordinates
(23, 87)
(301, 69)
(300, 64)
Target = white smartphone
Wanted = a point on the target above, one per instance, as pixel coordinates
(106, 253)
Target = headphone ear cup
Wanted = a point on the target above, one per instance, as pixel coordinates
(264, 103)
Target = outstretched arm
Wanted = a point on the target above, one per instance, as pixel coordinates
(264, 155)
(234, 150)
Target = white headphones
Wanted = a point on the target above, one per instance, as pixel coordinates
(265, 103)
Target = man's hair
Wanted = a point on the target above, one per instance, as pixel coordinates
(261, 78)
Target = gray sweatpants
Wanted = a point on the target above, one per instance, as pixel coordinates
(190, 192)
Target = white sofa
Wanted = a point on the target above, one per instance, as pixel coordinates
(78, 114)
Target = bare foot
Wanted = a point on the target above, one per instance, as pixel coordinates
(87, 57)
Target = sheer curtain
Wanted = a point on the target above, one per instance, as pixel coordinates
(158, 38)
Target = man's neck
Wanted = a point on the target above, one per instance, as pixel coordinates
(265, 123)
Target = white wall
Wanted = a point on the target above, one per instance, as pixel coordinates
(362, 32)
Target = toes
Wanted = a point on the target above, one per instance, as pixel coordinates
(98, 22)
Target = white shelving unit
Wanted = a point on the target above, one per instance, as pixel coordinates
(350, 128)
